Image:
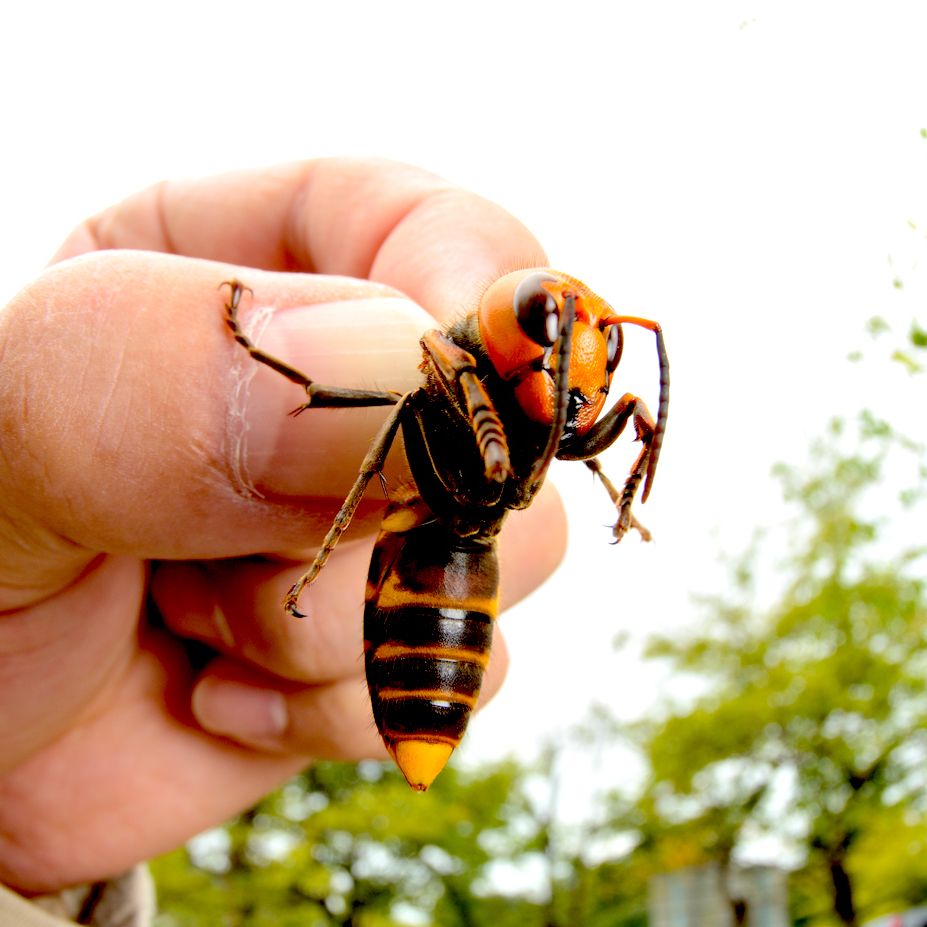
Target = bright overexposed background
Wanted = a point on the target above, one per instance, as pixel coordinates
(745, 172)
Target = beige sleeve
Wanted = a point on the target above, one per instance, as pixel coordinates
(127, 901)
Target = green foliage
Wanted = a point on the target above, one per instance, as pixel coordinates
(353, 845)
(888, 864)
(813, 721)
(877, 326)
(909, 354)
(347, 844)
(918, 336)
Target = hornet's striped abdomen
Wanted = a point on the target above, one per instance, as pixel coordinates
(432, 598)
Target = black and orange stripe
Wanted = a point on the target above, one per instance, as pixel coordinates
(432, 599)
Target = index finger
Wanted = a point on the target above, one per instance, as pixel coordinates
(380, 220)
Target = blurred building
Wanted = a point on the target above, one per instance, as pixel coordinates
(701, 896)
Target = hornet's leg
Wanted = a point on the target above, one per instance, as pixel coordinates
(317, 396)
(659, 429)
(602, 436)
(372, 464)
(622, 500)
(455, 369)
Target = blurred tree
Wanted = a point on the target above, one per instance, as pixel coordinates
(353, 845)
(583, 885)
(345, 845)
(811, 725)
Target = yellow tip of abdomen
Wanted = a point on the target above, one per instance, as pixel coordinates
(421, 761)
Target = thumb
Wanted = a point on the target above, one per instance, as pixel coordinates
(132, 423)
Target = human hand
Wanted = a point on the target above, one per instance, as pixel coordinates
(134, 429)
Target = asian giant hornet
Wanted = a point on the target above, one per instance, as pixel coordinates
(506, 389)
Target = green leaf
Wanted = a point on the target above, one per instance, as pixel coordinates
(918, 336)
(906, 361)
(876, 326)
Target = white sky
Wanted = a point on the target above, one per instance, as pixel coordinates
(741, 171)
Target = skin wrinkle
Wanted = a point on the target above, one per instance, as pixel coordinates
(106, 444)
(40, 462)
(415, 199)
(397, 227)
(161, 214)
(25, 539)
(100, 228)
(242, 371)
(31, 538)
(298, 258)
(270, 187)
(25, 407)
(31, 638)
(105, 416)
(390, 232)
(88, 228)
(4, 456)
(93, 229)
(34, 535)
(436, 203)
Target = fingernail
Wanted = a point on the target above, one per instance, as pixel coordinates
(369, 344)
(240, 711)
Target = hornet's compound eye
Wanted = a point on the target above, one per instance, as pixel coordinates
(614, 344)
(536, 309)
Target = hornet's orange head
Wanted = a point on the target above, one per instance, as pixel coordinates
(519, 319)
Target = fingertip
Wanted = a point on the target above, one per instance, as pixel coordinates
(184, 597)
(240, 703)
(249, 714)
